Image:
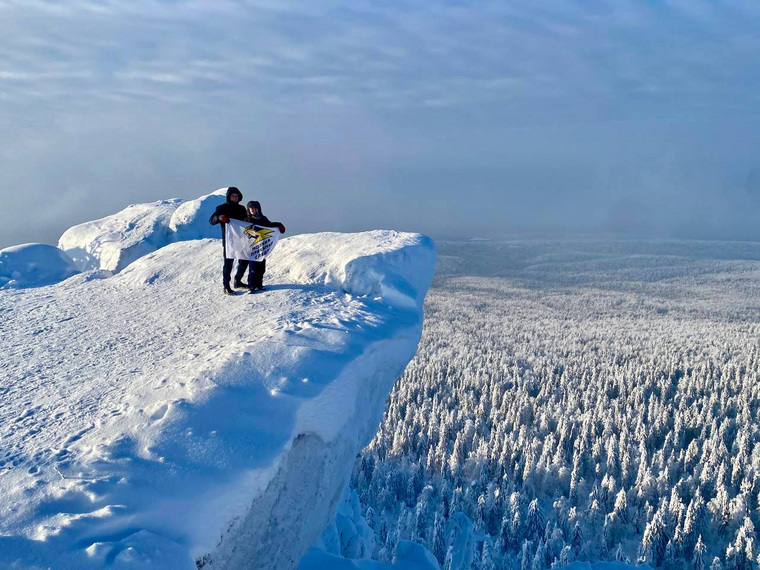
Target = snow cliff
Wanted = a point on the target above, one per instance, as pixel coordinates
(148, 421)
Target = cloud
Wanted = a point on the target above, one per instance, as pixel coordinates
(516, 101)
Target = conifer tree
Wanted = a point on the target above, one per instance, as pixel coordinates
(438, 546)
(535, 521)
(487, 561)
(539, 559)
(698, 559)
(526, 557)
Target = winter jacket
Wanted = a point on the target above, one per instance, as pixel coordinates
(261, 219)
(230, 209)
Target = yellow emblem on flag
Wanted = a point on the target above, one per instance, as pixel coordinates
(259, 234)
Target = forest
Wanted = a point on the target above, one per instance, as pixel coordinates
(585, 400)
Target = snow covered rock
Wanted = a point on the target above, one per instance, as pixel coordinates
(348, 535)
(115, 241)
(190, 219)
(149, 421)
(34, 264)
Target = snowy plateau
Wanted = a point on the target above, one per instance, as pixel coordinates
(149, 421)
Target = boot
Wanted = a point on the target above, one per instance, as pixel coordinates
(228, 291)
(240, 285)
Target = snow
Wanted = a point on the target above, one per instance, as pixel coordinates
(190, 219)
(33, 265)
(115, 241)
(462, 546)
(149, 421)
(604, 566)
(409, 556)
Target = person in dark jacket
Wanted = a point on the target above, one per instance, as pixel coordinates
(257, 268)
(232, 209)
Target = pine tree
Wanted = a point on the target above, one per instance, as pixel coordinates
(504, 542)
(539, 559)
(606, 540)
(716, 564)
(516, 529)
(526, 559)
(694, 522)
(671, 556)
(698, 560)
(486, 561)
(621, 507)
(654, 541)
(577, 542)
(744, 544)
(566, 556)
(439, 539)
(420, 520)
(535, 521)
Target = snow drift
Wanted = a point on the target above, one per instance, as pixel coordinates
(34, 265)
(148, 421)
(114, 242)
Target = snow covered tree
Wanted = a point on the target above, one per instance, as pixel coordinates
(621, 507)
(615, 431)
(619, 554)
(577, 540)
(526, 556)
(487, 561)
(566, 556)
(535, 521)
(504, 540)
(655, 541)
(698, 559)
(695, 521)
(539, 558)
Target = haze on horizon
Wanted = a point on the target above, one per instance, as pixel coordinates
(639, 117)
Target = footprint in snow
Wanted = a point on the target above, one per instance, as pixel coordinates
(160, 412)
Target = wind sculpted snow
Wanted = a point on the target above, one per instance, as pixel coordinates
(148, 421)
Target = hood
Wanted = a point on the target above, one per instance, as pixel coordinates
(232, 190)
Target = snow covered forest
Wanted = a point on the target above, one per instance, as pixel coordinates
(577, 401)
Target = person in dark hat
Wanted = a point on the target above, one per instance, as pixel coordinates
(232, 209)
(257, 268)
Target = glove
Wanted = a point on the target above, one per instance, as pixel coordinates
(223, 219)
(282, 228)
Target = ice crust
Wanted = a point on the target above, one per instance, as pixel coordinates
(148, 421)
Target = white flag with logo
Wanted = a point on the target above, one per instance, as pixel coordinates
(249, 241)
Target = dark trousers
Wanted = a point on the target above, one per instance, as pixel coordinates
(256, 273)
(227, 271)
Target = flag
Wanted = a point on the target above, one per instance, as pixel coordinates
(249, 241)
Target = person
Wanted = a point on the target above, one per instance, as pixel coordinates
(258, 268)
(232, 209)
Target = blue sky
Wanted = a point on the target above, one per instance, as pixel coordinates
(634, 116)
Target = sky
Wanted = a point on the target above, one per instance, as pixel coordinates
(446, 117)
